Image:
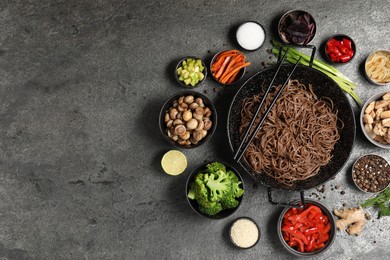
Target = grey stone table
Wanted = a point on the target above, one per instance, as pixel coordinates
(81, 86)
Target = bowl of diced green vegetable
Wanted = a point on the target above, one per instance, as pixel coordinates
(214, 190)
(190, 72)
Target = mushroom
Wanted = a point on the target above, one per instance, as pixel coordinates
(204, 133)
(175, 103)
(173, 113)
(175, 137)
(187, 115)
(192, 124)
(181, 100)
(185, 136)
(181, 142)
(183, 107)
(207, 112)
(166, 117)
(180, 129)
(193, 106)
(193, 141)
(187, 143)
(199, 101)
(200, 125)
(207, 124)
(197, 135)
(189, 99)
(169, 123)
(177, 122)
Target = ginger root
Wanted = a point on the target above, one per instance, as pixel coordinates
(352, 217)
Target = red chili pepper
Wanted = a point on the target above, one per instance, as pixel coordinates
(306, 229)
(345, 58)
(339, 51)
(347, 43)
(311, 231)
(301, 247)
(310, 246)
(295, 233)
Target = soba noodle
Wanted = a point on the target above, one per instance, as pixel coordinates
(296, 138)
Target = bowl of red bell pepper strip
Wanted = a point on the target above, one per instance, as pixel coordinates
(227, 67)
(340, 48)
(307, 231)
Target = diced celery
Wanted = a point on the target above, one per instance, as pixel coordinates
(187, 81)
(184, 63)
(181, 78)
(201, 76)
(196, 69)
(179, 70)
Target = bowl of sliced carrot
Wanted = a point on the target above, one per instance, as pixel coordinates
(227, 67)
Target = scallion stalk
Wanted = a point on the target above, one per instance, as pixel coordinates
(344, 83)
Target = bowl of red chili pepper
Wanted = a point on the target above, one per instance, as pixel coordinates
(307, 231)
(340, 48)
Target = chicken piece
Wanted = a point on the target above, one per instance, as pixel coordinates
(352, 217)
(385, 114)
(386, 122)
(368, 128)
(368, 119)
(378, 114)
(379, 129)
(386, 96)
(370, 108)
(381, 104)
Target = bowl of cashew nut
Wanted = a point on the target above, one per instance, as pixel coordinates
(375, 119)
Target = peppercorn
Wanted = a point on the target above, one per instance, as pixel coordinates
(371, 173)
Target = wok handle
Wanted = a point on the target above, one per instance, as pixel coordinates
(312, 47)
(284, 204)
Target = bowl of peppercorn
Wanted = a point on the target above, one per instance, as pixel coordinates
(371, 173)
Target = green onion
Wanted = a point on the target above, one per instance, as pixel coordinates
(344, 83)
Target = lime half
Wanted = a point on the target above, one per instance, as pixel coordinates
(174, 162)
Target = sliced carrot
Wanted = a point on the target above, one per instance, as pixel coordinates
(233, 61)
(235, 70)
(222, 69)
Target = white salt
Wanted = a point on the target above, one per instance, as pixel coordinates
(250, 36)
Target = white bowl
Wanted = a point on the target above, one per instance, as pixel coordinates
(365, 71)
(375, 97)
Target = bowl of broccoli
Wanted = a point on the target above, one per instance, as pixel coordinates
(215, 190)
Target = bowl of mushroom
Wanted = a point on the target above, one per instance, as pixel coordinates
(375, 119)
(188, 119)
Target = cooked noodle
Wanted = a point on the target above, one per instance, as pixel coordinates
(296, 138)
(378, 67)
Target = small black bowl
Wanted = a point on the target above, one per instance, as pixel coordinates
(179, 65)
(194, 205)
(286, 19)
(231, 237)
(241, 26)
(239, 76)
(339, 37)
(332, 232)
(169, 103)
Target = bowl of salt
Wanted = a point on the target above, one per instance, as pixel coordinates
(250, 36)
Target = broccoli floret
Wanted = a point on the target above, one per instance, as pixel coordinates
(215, 167)
(212, 209)
(237, 191)
(215, 189)
(229, 202)
(219, 185)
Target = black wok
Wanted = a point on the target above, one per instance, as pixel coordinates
(323, 86)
